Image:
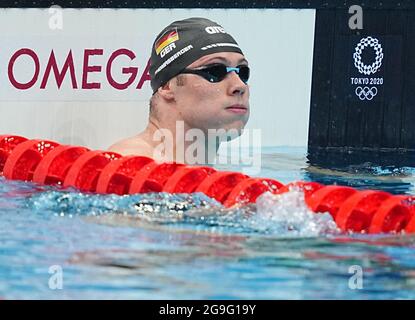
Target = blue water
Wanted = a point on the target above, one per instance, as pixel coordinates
(62, 244)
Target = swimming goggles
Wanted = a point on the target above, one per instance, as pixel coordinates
(218, 72)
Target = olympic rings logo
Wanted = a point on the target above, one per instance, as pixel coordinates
(374, 67)
(366, 93)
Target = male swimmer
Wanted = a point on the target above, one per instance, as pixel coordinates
(199, 78)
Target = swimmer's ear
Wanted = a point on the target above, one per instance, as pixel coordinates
(166, 91)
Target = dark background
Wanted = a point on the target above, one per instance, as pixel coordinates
(339, 4)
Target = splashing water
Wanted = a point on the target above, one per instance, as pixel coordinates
(284, 215)
(149, 205)
(288, 215)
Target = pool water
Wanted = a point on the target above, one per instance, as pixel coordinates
(63, 244)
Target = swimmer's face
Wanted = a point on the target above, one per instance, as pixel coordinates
(206, 105)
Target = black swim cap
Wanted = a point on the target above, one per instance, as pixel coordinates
(183, 42)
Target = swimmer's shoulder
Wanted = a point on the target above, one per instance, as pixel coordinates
(132, 146)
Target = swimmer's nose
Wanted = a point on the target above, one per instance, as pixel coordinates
(236, 85)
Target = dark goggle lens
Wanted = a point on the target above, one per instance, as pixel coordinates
(217, 73)
(244, 73)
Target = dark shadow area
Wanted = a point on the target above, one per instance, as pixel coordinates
(392, 171)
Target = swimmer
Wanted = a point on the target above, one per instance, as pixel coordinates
(199, 78)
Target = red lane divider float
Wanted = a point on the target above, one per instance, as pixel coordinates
(356, 213)
(117, 175)
(187, 179)
(7, 144)
(152, 177)
(307, 187)
(84, 172)
(392, 215)
(24, 158)
(410, 203)
(219, 184)
(48, 162)
(248, 190)
(54, 166)
(329, 199)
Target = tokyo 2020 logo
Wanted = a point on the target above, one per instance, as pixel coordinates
(369, 91)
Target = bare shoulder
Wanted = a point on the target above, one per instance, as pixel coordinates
(132, 146)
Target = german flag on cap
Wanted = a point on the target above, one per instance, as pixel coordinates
(167, 38)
